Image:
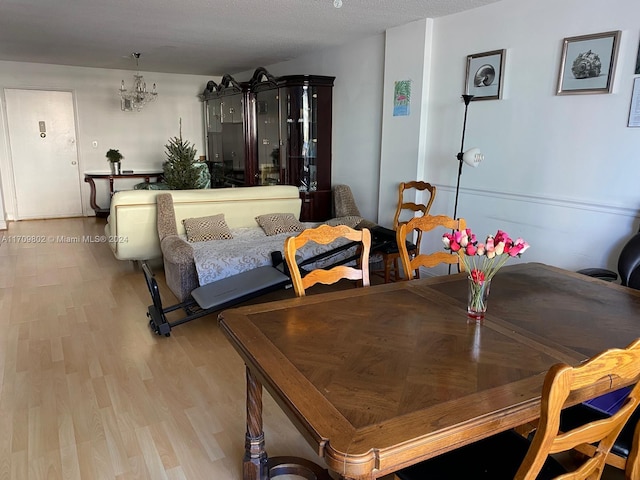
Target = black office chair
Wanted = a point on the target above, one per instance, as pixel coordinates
(628, 266)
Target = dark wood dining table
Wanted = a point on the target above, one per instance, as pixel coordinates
(380, 378)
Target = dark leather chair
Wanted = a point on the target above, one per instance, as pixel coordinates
(628, 266)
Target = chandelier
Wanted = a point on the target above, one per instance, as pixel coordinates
(138, 97)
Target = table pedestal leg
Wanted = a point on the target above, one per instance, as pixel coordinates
(254, 464)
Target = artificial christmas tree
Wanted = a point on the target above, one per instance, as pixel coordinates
(181, 170)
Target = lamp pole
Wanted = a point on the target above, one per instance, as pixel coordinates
(467, 99)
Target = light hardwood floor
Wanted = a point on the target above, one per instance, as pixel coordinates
(88, 392)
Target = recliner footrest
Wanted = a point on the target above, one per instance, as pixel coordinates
(214, 296)
(240, 287)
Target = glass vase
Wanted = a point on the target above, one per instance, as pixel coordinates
(477, 299)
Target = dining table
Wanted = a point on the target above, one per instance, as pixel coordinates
(383, 377)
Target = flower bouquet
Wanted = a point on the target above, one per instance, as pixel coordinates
(482, 261)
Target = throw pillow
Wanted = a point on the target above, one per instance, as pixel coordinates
(350, 221)
(275, 223)
(203, 229)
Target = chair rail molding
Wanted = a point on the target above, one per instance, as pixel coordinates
(560, 202)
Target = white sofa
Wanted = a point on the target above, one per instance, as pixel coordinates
(132, 230)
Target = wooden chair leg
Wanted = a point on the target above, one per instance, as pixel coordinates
(387, 272)
(632, 468)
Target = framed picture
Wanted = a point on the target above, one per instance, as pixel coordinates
(485, 74)
(588, 63)
(634, 108)
(401, 98)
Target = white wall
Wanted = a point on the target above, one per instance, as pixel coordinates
(560, 171)
(357, 112)
(140, 136)
(407, 57)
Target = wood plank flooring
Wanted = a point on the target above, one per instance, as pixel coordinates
(87, 391)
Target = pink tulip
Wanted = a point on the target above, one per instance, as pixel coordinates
(471, 235)
(502, 237)
(518, 248)
(490, 248)
(464, 239)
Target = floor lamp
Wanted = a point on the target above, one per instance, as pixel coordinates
(471, 157)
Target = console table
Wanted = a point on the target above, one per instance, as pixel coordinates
(90, 177)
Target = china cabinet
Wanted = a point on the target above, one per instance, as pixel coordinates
(228, 141)
(273, 130)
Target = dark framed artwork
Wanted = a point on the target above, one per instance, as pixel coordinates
(588, 63)
(485, 75)
(634, 108)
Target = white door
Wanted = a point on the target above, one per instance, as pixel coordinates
(42, 140)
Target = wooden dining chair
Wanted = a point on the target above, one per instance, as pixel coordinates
(390, 255)
(324, 235)
(622, 450)
(509, 455)
(412, 262)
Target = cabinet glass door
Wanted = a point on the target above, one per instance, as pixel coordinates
(233, 143)
(214, 142)
(301, 126)
(268, 135)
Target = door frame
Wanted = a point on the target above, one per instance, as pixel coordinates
(7, 174)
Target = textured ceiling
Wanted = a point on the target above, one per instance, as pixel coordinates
(197, 36)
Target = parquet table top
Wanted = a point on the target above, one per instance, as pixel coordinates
(382, 377)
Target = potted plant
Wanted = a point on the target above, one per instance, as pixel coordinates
(114, 157)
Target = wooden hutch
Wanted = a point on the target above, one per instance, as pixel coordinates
(270, 131)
